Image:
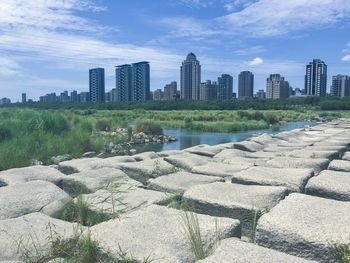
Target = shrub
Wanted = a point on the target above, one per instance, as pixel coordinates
(5, 134)
(103, 125)
(149, 128)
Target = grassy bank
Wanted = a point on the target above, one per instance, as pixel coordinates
(34, 134)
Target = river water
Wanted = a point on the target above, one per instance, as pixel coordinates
(187, 138)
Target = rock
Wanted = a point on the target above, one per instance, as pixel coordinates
(248, 146)
(61, 158)
(31, 173)
(144, 170)
(281, 149)
(263, 139)
(243, 161)
(132, 151)
(31, 233)
(233, 200)
(169, 153)
(92, 180)
(89, 154)
(339, 165)
(330, 184)
(145, 156)
(346, 156)
(79, 165)
(220, 169)
(339, 149)
(179, 182)
(332, 143)
(289, 162)
(157, 232)
(123, 199)
(206, 150)
(313, 154)
(230, 153)
(35, 196)
(305, 226)
(292, 178)
(187, 160)
(233, 250)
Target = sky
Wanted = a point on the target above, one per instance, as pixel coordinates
(49, 45)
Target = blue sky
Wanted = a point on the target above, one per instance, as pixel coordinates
(49, 45)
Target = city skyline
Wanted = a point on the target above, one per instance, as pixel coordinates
(72, 36)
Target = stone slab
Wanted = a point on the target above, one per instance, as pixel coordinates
(145, 155)
(90, 181)
(346, 156)
(35, 196)
(233, 200)
(123, 199)
(290, 162)
(79, 165)
(249, 146)
(305, 226)
(158, 233)
(340, 165)
(220, 169)
(187, 160)
(205, 150)
(30, 232)
(233, 250)
(179, 182)
(307, 153)
(292, 178)
(330, 184)
(144, 170)
(31, 173)
(230, 153)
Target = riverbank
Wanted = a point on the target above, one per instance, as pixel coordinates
(283, 197)
(29, 135)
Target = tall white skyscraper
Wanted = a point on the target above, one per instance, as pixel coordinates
(277, 87)
(340, 86)
(190, 78)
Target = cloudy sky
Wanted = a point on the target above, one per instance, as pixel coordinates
(49, 45)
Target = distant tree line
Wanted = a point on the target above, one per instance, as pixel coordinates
(314, 103)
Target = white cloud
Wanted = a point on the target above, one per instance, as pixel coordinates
(346, 58)
(8, 67)
(255, 62)
(266, 18)
(275, 17)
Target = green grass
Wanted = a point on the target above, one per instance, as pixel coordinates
(342, 251)
(78, 211)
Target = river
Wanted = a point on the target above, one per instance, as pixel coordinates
(187, 138)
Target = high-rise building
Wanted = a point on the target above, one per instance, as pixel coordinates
(277, 87)
(245, 85)
(74, 96)
(340, 86)
(225, 87)
(24, 98)
(190, 78)
(208, 90)
(261, 94)
(140, 81)
(4, 101)
(170, 91)
(84, 97)
(123, 83)
(158, 94)
(316, 78)
(97, 84)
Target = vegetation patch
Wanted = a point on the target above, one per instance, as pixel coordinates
(342, 251)
(79, 212)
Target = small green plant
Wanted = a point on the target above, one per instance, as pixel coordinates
(193, 234)
(174, 201)
(275, 127)
(342, 251)
(255, 215)
(78, 211)
(80, 248)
